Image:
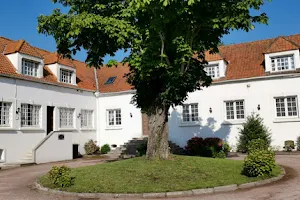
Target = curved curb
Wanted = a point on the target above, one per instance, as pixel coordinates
(196, 192)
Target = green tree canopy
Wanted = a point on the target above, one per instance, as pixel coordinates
(167, 39)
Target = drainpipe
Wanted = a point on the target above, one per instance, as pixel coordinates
(97, 94)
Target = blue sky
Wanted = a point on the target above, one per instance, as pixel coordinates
(18, 20)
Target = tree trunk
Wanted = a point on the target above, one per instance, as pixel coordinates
(158, 145)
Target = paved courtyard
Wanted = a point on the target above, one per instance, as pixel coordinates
(16, 184)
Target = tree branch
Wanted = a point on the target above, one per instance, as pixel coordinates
(162, 38)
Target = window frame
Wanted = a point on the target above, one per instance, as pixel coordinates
(114, 111)
(286, 110)
(64, 80)
(2, 155)
(291, 63)
(67, 126)
(34, 69)
(90, 124)
(235, 113)
(10, 117)
(216, 70)
(38, 119)
(190, 113)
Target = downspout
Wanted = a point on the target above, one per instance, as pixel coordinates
(97, 94)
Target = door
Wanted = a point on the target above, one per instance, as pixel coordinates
(50, 111)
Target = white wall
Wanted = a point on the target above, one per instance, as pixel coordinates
(131, 126)
(53, 149)
(259, 92)
(17, 141)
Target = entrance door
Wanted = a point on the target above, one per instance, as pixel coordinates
(50, 111)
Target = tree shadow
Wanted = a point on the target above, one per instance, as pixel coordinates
(180, 133)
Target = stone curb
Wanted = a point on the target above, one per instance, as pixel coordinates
(196, 192)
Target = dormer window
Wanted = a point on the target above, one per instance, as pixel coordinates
(282, 63)
(29, 68)
(110, 80)
(213, 71)
(65, 76)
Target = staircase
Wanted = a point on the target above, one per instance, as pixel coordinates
(28, 158)
(129, 149)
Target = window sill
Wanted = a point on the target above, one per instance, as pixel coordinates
(67, 129)
(189, 124)
(3, 128)
(284, 120)
(114, 128)
(233, 122)
(2, 161)
(31, 129)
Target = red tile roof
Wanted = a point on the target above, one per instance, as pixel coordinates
(244, 60)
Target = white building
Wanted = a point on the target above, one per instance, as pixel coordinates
(51, 105)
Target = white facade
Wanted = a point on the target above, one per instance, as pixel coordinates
(17, 141)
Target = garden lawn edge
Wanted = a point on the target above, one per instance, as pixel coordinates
(194, 192)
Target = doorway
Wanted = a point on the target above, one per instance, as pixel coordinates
(50, 112)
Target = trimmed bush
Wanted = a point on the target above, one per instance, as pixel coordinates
(257, 145)
(105, 149)
(60, 176)
(220, 154)
(259, 163)
(142, 149)
(289, 145)
(253, 128)
(198, 146)
(226, 148)
(298, 143)
(91, 147)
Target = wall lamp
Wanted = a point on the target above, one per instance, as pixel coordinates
(210, 110)
(258, 107)
(18, 110)
(79, 115)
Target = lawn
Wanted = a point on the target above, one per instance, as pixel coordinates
(139, 175)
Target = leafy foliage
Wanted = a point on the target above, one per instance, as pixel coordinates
(226, 148)
(91, 147)
(142, 149)
(257, 145)
(289, 145)
(167, 41)
(220, 154)
(60, 176)
(105, 149)
(253, 128)
(198, 146)
(298, 143)
(259, 163)
(163, 37)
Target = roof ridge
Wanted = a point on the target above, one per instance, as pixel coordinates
(6, 38)
(20, 43)
(293, 43)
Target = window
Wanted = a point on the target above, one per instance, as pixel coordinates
(29, 68)
(235, 110)
(114, 117)
(190, 113)
(283, 63)
(86, 118)
(286, 106)
(5, 114)
(111, 80)
(2, 155)
(30, 115)
(66, 76)
(66, 117)
(213, 71)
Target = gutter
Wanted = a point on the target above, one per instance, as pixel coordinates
(46, 83)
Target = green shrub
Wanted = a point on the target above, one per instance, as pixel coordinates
(142, 149)
(226, 148)
(220, 154)
(198, 146)
(253, 128)
(105, 149)
(289, 145)
(256, 145)
(60, 176)
(298, 143)
(259, 163)
(90, 147)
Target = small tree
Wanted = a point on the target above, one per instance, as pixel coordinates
(254, 128)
